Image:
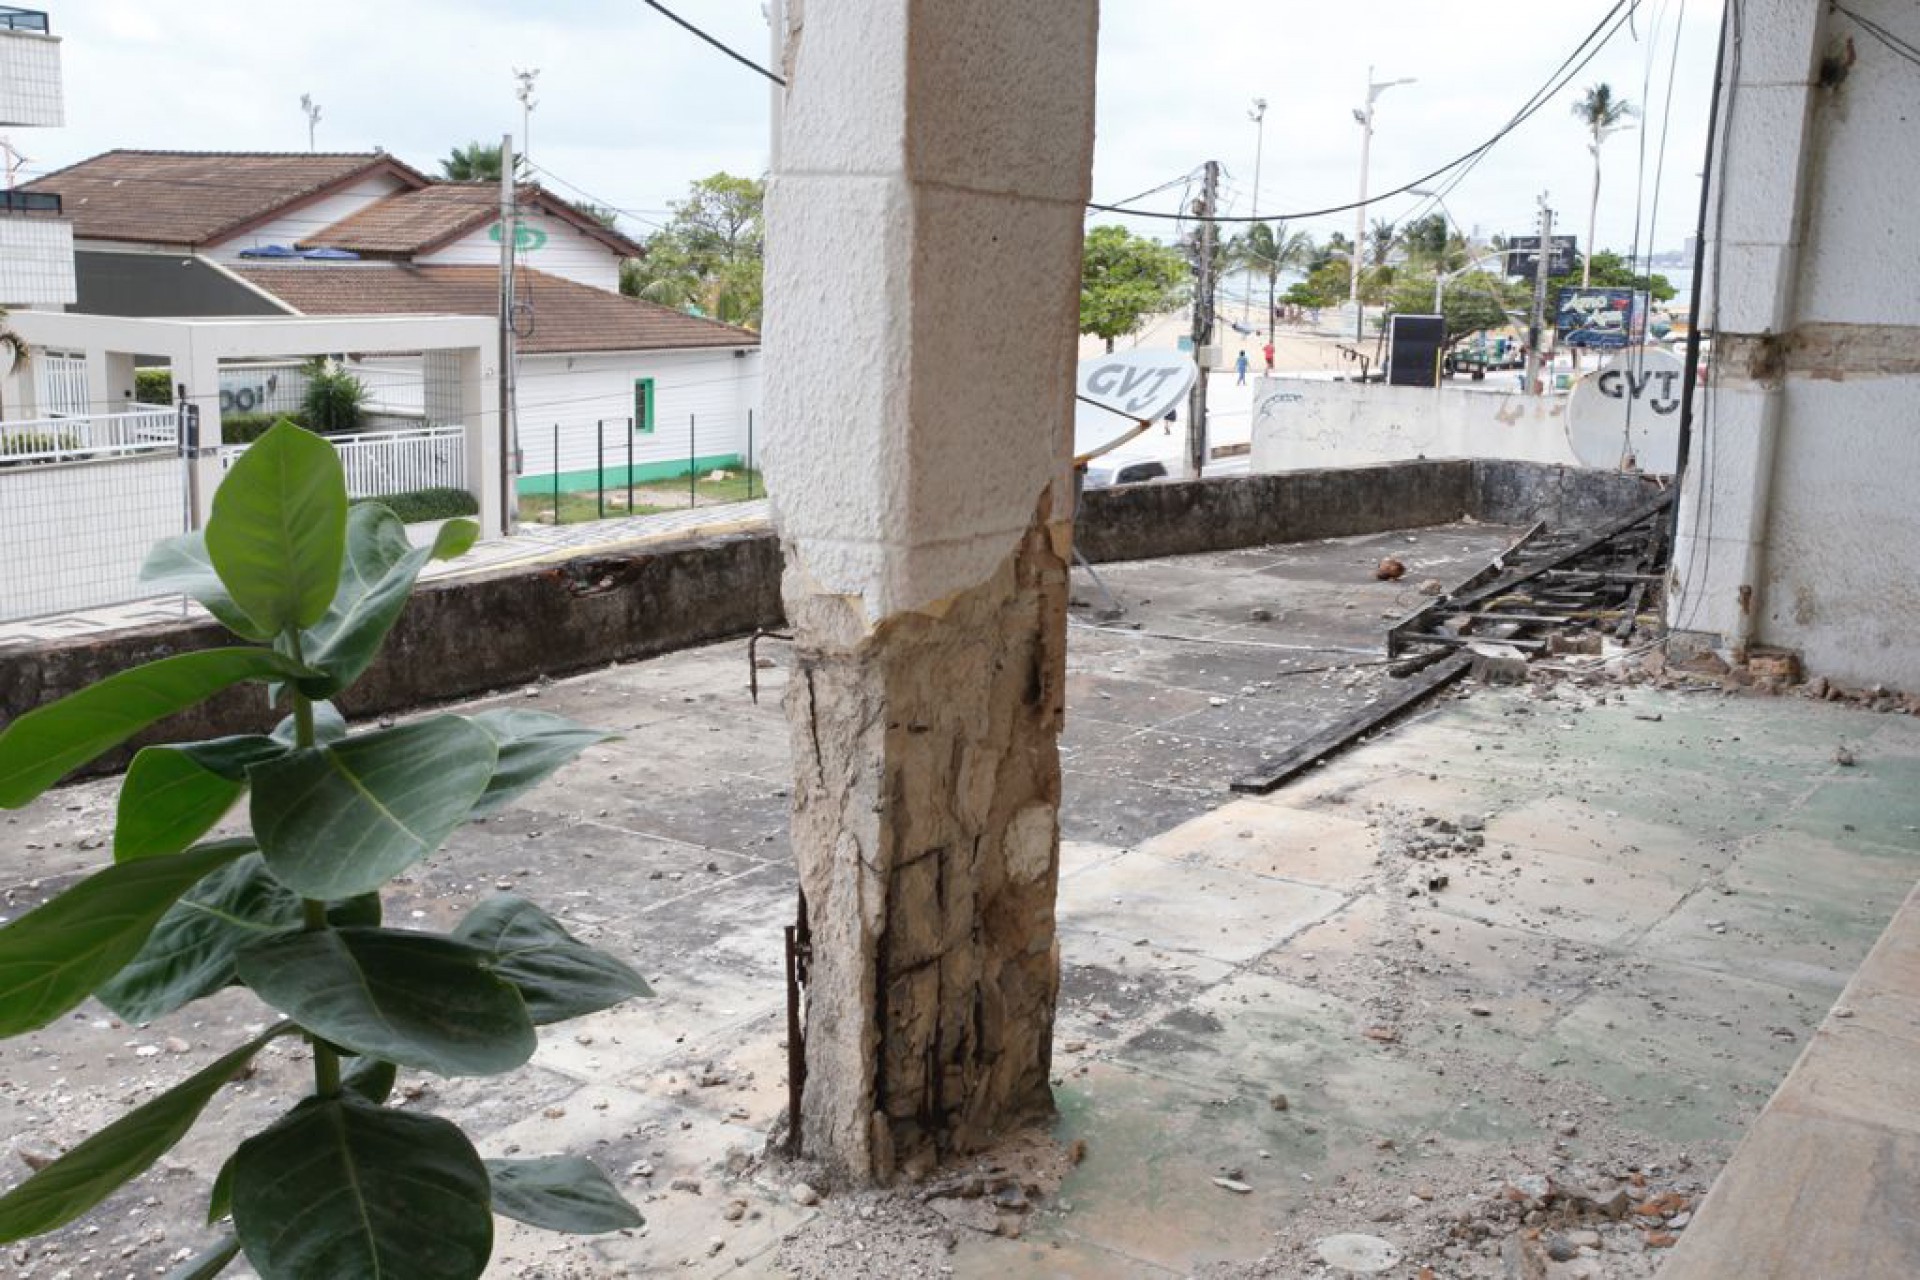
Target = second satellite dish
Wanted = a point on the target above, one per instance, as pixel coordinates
(1627, 414)
(1117, 396)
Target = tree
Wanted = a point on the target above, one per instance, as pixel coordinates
(1125, 278)
(1602, 114)
(1380, 241)
(707, 260)
(478, 162)
(1472, 302)
(1267, 250)
(1608, 270)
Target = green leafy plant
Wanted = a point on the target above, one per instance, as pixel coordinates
(416, 505)
(153, 386)
(342, 1186)
(335, 400)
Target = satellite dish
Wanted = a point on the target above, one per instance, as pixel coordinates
(1118, 396)
(1627, 412)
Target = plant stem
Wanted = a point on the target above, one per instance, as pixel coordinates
(326, 1063)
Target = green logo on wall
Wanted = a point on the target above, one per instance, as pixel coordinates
(526, 236)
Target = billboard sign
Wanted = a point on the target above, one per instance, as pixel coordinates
(1608, 318)
(1523, 256)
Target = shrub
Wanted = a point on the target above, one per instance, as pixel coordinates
(336, 400)
(153, 386)
(244, 428)
(341, 1184)
(15, 442)
(417, 505)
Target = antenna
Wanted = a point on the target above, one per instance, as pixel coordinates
(312, 111)
(526, 77)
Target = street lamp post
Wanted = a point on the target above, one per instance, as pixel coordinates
(1259, 117)
(1364, 116)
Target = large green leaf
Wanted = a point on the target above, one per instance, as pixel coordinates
(182, 564)
(39, 748)
(98, 1167)
(54, 955)
(560, 1193)
(341, 820)
(278, 528)
(209, 1263)
(346, 1190)
(532, 744)
(375, 581)
(455, 539)
(416, 999)
(173, 795)
(191, 951)
(558, 975)
(328, 726)
(371, 1078)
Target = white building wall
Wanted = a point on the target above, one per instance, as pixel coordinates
(565, 252)
(1302, 423)
(702, 399)
(1798, 520)
(30, 80)
(308, 220)
(36, 262)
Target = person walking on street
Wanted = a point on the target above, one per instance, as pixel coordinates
(1267, 351)
(1240, 368)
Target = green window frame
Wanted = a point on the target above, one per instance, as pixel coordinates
(643, 405)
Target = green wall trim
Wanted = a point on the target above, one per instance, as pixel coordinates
(616, 477)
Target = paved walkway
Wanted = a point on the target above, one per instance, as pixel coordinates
(533, 543)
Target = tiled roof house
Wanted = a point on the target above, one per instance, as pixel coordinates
(165, 233)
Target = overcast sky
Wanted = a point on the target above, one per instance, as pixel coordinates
(631, 109)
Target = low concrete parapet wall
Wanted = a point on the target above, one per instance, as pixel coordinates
(1307, 423)
(465, 635)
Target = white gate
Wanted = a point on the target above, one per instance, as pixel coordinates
(63, 385)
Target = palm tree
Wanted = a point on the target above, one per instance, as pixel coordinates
(477, 162)
(13, 347)
(1268, 249)
(1602, 114)
(1380, 240)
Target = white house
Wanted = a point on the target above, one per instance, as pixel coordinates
(601, 376)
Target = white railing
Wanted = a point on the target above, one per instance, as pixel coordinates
(88, 436)
(379, 463)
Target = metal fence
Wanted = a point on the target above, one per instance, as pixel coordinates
(603, 470)
(79, 520)
(379, 464)
(78, 439)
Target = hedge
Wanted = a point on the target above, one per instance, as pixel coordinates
(417, 505)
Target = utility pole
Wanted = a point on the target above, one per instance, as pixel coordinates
(1259, 117)
(509, 228)
(1537, 320)
(1202, 322)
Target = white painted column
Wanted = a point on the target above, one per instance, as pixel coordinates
(1760, 182)
(924, 228)
(463, 382)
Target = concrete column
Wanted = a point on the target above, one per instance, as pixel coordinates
(1763, 162)
(923, 255)
(462, 385)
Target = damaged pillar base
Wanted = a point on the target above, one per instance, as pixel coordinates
(925, 823)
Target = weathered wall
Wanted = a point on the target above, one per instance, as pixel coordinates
(1138, 522)
(1303, 423)
(504, 628)
(461, 636)
(1798, 518)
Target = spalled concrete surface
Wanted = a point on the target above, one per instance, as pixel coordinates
(1656, 915)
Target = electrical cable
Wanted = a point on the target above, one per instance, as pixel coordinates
(1897, 45)
(740, 58)
(1540, 99)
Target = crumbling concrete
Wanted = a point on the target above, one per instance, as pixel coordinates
(925, 823)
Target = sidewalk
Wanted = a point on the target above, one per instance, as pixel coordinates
(533, 543)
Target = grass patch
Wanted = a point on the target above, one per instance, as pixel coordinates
(652, 498)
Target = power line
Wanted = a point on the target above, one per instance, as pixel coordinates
(740, 58)
(1541, 97)
(1900, 47)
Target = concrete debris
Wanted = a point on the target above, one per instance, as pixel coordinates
(1390, 570)
(1234, 1185)
(1360, 1255)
